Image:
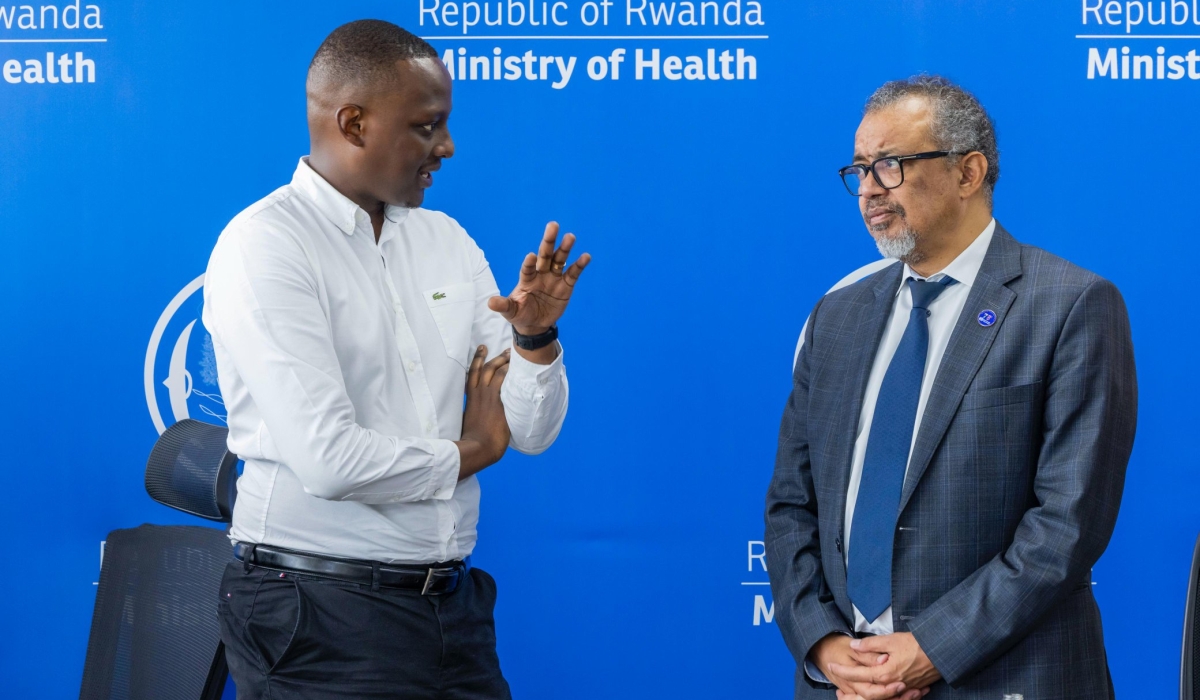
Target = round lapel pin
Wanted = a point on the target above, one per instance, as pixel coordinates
(987, 317)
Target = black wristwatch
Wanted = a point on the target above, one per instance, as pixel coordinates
(534, 342)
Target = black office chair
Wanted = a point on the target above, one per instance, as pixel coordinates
(1189, 667)
(154, 629)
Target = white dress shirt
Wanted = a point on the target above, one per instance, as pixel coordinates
(943, 314)
(343, 364)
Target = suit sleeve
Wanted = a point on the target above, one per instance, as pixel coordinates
(804, 607)
(1089, 418)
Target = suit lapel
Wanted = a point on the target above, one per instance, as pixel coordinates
(872, 320)
(969, 345)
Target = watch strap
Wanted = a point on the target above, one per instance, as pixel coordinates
(535, 342)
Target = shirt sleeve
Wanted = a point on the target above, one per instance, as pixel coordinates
(534, 396)
(263, 307)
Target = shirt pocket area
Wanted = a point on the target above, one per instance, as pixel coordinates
(453, 310)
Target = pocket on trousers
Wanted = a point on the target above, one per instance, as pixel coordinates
(453, 309)
(274, 620)
(485, 584)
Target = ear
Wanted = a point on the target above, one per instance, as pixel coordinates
(350, 124)
(973, 168)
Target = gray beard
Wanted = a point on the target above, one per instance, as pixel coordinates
(902, 247)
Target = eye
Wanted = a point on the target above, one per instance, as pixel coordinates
(428, 128)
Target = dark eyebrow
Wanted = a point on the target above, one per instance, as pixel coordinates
(882, 153)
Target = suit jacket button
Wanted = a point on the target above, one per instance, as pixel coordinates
(837, 542)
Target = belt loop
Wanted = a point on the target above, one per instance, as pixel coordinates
(374, 576)
(248, 558)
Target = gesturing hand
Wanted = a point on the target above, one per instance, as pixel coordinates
(545, 285)
(485, 431)
(905, 663)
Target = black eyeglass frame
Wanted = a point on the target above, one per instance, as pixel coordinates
(927, 155)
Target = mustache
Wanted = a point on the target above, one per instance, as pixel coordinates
(892, 208)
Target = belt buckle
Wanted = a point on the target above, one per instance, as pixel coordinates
(435, 575)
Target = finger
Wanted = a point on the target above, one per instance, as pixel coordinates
(869, 658)
(529, 268)
(563, 253)
(860, 674)
(875, 691)
(501, 373)
(504, 306)
(571, 276)
(476, 365)
(500, 360)
(489, 370)
(546, 249)
(875, 644)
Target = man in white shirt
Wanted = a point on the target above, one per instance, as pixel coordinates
(952, 457)
(347, 323)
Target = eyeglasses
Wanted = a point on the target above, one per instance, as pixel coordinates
(888, 171)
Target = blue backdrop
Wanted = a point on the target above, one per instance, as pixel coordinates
(716, 219)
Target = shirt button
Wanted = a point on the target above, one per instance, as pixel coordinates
(429, 427)
(412, 366)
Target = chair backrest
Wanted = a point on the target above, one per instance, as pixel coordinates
(191, 470)
(1189, 668)
(154, 629)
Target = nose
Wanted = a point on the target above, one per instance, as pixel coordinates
(869, 187)
(445, 148)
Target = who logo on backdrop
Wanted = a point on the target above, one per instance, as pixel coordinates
(181, 370)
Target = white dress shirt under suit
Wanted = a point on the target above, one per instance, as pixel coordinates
(343, 363)
(943, 314)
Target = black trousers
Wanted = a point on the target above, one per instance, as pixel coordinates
(294, 636)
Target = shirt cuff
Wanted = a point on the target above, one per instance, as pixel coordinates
(443, 477)
(531, 374)
(814, 673)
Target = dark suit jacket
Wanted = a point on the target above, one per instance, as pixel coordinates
(1013, 486)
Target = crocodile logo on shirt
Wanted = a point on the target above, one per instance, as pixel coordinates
(438, 296)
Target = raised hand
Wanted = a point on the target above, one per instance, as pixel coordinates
(545, 285)
(485, 432)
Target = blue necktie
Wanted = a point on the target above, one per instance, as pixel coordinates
(872, 533)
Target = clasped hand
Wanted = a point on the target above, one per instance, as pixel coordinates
(485, 431)
(886, 667)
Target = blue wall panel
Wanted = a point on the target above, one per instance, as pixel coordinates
(716, 220)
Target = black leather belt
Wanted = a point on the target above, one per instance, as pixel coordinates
(434, 579)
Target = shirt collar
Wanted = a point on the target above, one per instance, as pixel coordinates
(965, 268)
(339, 208)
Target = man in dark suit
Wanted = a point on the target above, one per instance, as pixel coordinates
(952, 456)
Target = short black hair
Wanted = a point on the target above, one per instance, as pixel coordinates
(365, 51)
(960, 122)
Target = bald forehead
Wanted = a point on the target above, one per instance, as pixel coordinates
(900, 128)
